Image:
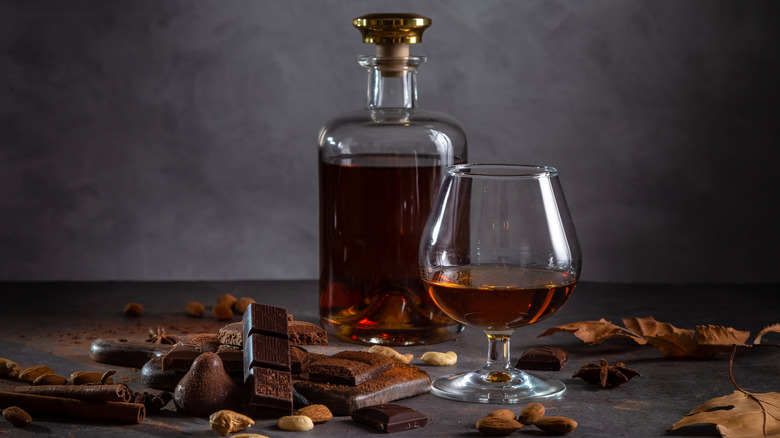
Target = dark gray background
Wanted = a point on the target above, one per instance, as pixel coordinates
(177, 139)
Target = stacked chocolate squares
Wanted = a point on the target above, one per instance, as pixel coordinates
(267, 372)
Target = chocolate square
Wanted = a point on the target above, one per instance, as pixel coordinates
(266, 351)
(543, 359)
(266, 320)
(269, 392)
(348, 367)
(390, 417)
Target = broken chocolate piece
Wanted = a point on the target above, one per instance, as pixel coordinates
(299, 359)
(154, 377)
(400, 381)
(181, 356)
(267, 352)
(232, 358)
(232, 334)
(543, 358)
(349, 367)
(306, 333)
(390, 417)
(269, 392)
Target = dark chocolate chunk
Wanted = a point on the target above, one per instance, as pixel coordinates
(390, 417)
(266, 320)
(306, 333)
(154, 377)
(269, 392)
(543, 358)
(349, 367)
(400, 381)
(232, 358)
(183, 353)
(266, 351)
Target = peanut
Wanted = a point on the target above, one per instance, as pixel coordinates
(532, 413)
(317, 413)
(295, 423)
(440, 359)
(17, 416)
(222, 312)
(492, 425)
(391, 353)
(30, 374)
(9, 368)
(133, 309)
(226, 421)
(556, 425)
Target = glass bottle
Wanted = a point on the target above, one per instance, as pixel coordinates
(379, 170)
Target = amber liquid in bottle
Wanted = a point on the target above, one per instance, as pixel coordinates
(375, 208)
(500, 297)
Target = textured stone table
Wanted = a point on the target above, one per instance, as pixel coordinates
(54, 324)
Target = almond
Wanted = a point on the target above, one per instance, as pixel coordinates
(532, 413)
(497, 426)
(9, 368)
(556, 425)
(32, 373)
(317, 413)
(50, 379)
(503, 413)
(17, 416)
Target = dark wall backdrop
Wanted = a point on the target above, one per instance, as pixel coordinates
(176, 139)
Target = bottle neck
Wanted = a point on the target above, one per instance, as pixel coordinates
(392, 82)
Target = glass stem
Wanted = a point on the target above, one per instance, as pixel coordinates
(498, 355)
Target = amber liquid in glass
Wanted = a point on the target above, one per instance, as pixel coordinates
(499, 297)
(374, 212)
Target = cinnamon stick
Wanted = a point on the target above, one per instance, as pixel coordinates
(118, 412)
(115, 393)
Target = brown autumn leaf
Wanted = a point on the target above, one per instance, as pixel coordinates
(737, 415)
(704, 342)
(772, 328)
(595, 332)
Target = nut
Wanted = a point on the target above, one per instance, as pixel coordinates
(532, 413)
(133, 309)
(50, 379)
(295, 423)
(502, 413)
(195, 308)
(9, 368)
(222, 311)
(17, 416)
(440, 359)
(226, 421)
(556, 425)
(226, 299)
(241, 304)
(248, 435)
(91, 377)
(32, 373)
(317, 413)
(492, 425)
(391, 353)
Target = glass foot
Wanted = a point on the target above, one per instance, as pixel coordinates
(508, 386)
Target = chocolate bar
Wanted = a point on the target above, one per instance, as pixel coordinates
(543, 358)
(267, 352)
(400, 381)
(267, 378)
(349, 367)
(184, 352)
(269, 392)
(390, 417)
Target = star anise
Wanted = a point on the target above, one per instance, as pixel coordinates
(161, 337)
(604, 374)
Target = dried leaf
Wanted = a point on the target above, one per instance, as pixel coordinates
(737, 415)
(714, 339)
(674, 344)
(595, 332)
(772, 328)
(648, 326)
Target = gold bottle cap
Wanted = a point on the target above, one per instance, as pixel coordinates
(392, 28)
